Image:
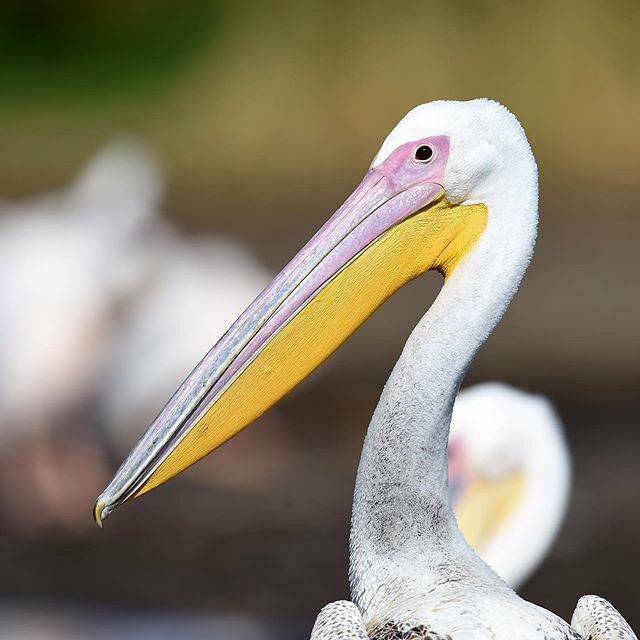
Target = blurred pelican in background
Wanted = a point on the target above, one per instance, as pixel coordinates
(509, 476)
(91, 282)
(68, 261)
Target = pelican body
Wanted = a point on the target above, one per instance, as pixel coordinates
(453, 188)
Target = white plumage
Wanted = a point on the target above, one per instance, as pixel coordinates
(596, 619)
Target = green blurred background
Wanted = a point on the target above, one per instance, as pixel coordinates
(265, 116)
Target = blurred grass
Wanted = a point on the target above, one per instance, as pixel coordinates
(90, 52)
(277, 94)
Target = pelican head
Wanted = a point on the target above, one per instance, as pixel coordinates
(422, 205)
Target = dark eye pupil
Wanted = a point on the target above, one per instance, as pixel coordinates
(424, 152)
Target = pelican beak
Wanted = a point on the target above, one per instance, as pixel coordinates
(483, 504)
(395, 226)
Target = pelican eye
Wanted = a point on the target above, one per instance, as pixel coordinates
(424, 153)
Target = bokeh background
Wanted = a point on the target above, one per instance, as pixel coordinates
(158, 161)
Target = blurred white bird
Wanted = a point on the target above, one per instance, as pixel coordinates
(101, 301)
(509, 476)
(65, 260)
(68, 260)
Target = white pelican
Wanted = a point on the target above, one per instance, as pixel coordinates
(453, 188)
(66, 259)
(509, 476)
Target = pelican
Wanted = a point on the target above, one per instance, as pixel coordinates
(66, 260)
(453, 188)
(509, 476)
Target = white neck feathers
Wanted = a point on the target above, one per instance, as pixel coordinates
(404, 539)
